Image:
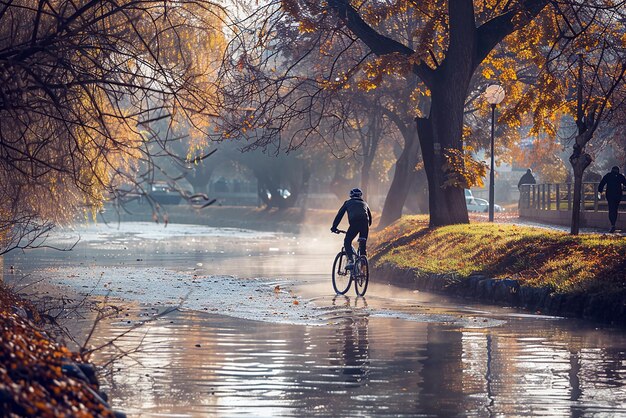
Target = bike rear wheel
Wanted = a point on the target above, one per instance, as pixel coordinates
(361, 276)
(341, 276)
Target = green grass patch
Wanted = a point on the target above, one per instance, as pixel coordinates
(535, 256)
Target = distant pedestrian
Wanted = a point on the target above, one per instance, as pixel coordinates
(527, 178)
(614, 182)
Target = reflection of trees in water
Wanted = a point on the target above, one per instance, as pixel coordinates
(518, 370)
(442, 378)
(351, 355)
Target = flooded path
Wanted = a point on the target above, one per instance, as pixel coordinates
(259, 332)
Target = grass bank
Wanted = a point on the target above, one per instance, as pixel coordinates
(561, 264)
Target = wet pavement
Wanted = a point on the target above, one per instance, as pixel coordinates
(257, 331)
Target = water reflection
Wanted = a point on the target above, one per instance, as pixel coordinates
(201, 364)
(394, 353)
(351, 356)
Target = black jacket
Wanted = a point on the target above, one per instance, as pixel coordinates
(357, 211)
(527, 178)
(614, 183)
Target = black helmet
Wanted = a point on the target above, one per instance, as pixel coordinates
(355, 193)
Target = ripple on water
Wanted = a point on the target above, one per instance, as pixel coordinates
(209, 364)
(394, 353)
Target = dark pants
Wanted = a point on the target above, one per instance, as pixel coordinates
(356, 227)
(613, 206)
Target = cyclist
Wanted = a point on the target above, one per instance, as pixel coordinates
(360, 219)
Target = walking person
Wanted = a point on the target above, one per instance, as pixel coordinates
(360, 218)
(614, 182)
(527, 178)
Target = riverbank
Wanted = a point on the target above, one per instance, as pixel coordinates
(39, 377)
(541, 270)
(291, 220)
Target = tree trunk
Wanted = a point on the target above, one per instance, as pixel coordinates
(304, 190)
(340, 185)
(269, 184)
(401, 183)
(417, 201)
(366, 166)
(199, 185)
(369, 145)
(580, 160)
(199, 178)
(441, 131)
(578, 181)
(366, 169)
(267, 188)
(448, 83)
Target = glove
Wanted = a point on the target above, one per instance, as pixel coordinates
(334, 230)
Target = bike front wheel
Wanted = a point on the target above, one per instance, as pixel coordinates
(341, 276)
(361, 276)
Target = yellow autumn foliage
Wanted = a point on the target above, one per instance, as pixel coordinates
(83, 102)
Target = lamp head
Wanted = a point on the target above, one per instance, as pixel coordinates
(494, 94)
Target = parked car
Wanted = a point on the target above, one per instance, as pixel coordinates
(162, 193)
(476, 204)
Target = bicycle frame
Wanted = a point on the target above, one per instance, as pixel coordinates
(356, 274)
(355, 252)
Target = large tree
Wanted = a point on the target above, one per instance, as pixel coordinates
(467, 40)
(451, 41)
(599, 96)
(308, 87)
(583, 75)
(82, 83)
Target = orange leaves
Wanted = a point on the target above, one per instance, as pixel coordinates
(378, 12)
(386, 65)
(31, 374)
(542, 154)
(306, 26)
(371, 74)
(370, 84)
(462, 169)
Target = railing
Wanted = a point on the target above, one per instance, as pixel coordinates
(560, 197)
(552, 204)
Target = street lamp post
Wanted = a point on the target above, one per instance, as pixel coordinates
(494, 94)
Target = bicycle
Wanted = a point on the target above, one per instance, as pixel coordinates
(359, 274)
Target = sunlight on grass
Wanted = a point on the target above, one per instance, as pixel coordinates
(536, 256)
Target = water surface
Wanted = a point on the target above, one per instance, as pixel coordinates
(258, 332)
